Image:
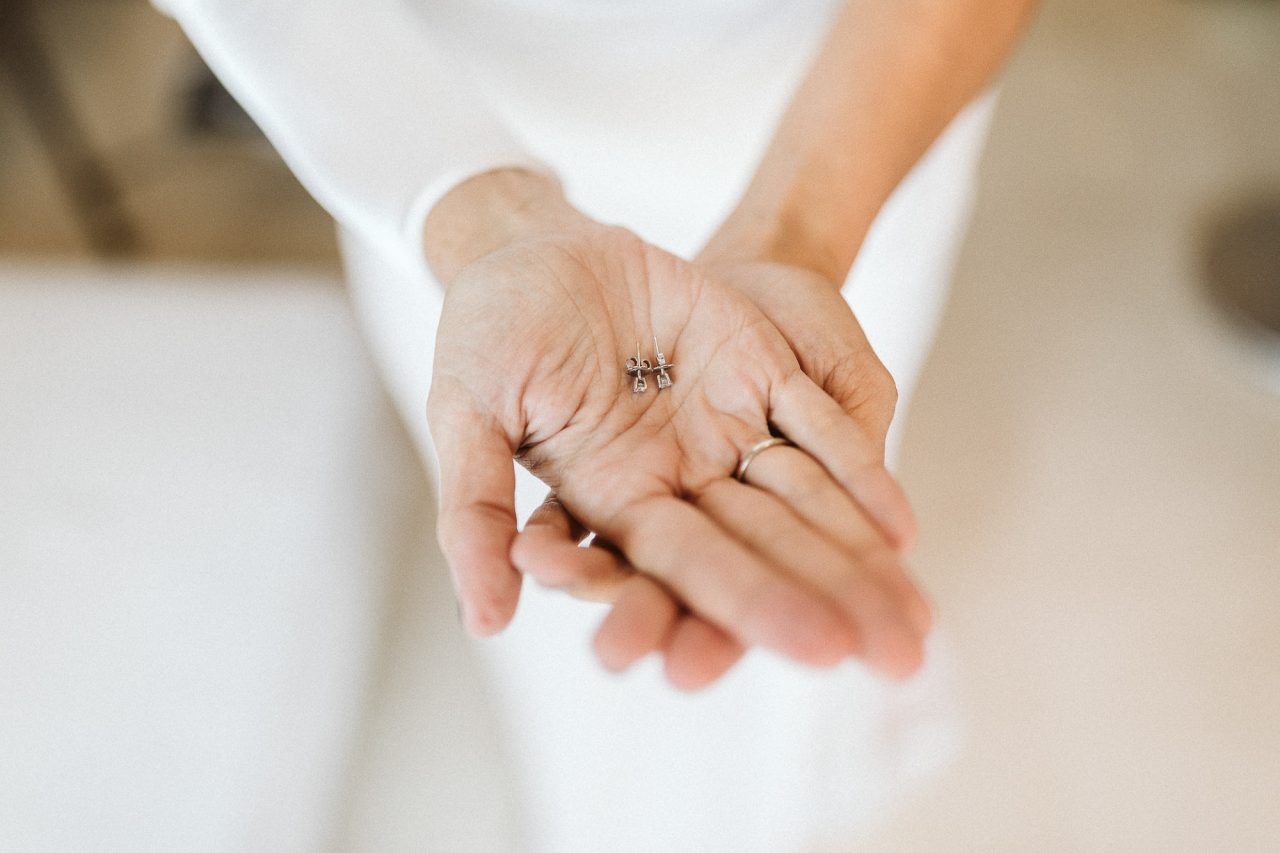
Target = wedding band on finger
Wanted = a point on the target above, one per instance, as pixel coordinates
(756, 449)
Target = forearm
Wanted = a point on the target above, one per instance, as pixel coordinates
(889, 78)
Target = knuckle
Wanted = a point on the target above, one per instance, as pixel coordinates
(869, 382)
(886, 388)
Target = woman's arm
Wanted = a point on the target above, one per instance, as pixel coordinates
(368, 107)
(890, 77)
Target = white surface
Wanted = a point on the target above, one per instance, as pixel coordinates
(202, 495)
(1096, 469)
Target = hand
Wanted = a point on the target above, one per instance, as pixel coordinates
(645, 616)
(825, 336)
(832, 350)
(529, 362)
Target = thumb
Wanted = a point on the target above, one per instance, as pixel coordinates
(477, 518)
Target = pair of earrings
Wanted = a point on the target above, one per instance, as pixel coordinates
(637, 367)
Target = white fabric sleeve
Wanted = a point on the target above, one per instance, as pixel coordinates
(367, 106)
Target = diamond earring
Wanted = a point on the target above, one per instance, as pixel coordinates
(664, 378)
(637, 367)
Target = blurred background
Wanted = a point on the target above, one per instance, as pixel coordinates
(1094, 453)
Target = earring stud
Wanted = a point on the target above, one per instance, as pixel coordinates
(664, 378)
(637, 367)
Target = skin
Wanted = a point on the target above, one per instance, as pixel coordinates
(528, 357)
(542, 305)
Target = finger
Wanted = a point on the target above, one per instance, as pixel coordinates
(644, 614)
(698, 653)
(548, 551)
(887, 640)
(477, 519)
(809, 417)
(807, 489)
(642, 617)
(864, 388)
(646, 618)
(723, 581)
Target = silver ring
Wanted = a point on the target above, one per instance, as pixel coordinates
(756, 449)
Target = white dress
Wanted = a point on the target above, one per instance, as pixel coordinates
(654, 115)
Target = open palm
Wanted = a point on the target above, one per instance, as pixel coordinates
(529, 362)
(810, 312)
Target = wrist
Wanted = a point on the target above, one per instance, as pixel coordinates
(488, 212)
(799, 230)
